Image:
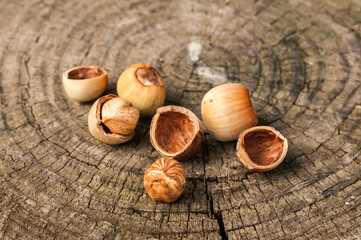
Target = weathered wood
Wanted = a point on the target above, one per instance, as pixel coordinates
(300, 59)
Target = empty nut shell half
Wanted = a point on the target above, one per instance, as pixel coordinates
(176, 132)
(165, 180)
(112, 120)
(83, 84)
(261, 148)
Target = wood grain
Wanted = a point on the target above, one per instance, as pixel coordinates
(301, 60)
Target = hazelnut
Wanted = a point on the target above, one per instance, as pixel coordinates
(176, 132)
(227, 111)
(261, 148)
(112, 120)
(143, 86)
(83, 84)
(165, 180)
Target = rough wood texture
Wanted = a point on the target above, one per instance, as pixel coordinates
(300, 59)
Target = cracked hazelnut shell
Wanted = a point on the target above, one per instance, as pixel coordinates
(143, 86)
(112, 120)
(176, 132)
(261, 148)
(165, 180)
(227, 111)
(83, 84)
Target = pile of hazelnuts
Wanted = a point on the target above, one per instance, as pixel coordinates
(175, 132)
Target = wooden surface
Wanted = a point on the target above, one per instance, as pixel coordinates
(301, 60)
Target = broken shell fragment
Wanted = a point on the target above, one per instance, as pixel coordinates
(83, 84)
(261, 148)
(176, 132)
(112, 120)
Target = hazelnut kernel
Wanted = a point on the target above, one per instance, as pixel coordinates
(112, 120)
(119, 116)
(165, 180)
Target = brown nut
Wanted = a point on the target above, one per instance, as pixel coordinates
(143, 86)
(261, 148)
(176, 132)
(83, 84)
(227, 111)
(165, 180)
(112, 120)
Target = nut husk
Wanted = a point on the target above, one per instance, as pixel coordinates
(143, 86)
(112, 120)
(85, 83)
(261, 148)
(227, 111)
(176, 132)
(165, 180)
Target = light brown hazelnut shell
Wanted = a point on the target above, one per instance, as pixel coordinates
(96, 126)
(176, 132)
(261, 148)
(165, 180)
(85, 83)
(227, 111)
(143, 86)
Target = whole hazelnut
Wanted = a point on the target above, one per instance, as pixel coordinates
(176, 132)
(165, 180)
(261, 148)
(143, 86)
(83, 84)
(112, 120)
(227, 111)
